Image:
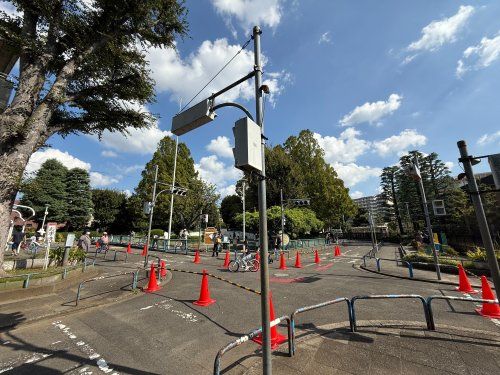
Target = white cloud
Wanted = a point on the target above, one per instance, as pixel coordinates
(138, 141)
(353, 174)
(356, 194)
(489, 139)
(228, 190)
(449, 164)
(216, 172)
(184, 77)
(325, 38)
(398, 143)
(372, 112)
(69, 161)
(127, 193)
(479, 56)
(250, 12)
(346, 148)
(221, 147)
(109, 154)
(98, 179)
(438, 33)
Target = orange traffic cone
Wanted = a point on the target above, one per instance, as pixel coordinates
(152, 284)
(226, 260)
(144, 250)
(204, 299)
(297, 260)
(489, 310)
(337, 251)
(463, 282)
(316, 257)
(163, 269)
(276, 337)
(196, 257)
(282, 262)
(129, 248)
(257, 256)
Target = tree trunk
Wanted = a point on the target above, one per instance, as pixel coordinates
(396, 206)
(13, 159)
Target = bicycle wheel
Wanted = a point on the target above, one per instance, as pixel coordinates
(234, 266)
(254, 265)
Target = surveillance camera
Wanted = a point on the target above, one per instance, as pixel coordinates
(265, 89)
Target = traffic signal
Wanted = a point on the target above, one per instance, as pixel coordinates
(301, 202)
(179, 191)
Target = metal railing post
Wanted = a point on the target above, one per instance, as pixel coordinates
(26, 282)
(378, 264)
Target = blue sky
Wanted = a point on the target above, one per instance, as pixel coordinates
(373, 79)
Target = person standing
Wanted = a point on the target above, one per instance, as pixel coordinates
(84, 241)
(17, 238)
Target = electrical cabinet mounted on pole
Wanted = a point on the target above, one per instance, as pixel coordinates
(192, 118)
(247, 145)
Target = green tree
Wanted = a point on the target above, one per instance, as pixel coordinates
(201, 197)
(110, 210)
(388, 184)
(230, 206)
(80, 66)
(48, 186)
(79, 197)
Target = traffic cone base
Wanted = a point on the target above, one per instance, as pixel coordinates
(226, 260)
(204, 299)
(152, 283)
(488, 310)
(276, 337)
(282, 262)
(196, 257)
(463, 282)
(297, 261)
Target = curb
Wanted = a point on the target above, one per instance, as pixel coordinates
(359, 267)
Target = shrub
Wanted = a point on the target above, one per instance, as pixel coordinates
(478, 254)
(75, 254)
(449, 250)
(157, 232)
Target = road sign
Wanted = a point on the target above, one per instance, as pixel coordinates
(438, 207)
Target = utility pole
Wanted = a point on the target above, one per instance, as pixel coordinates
(172, 196)
(282, 220)
(372, 232)
(151, 215)
(199, 230)
(427, 218)
(466, 160)
(264, 274)
(244, 185)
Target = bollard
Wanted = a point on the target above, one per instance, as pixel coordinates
(27, 281)
(64, 274)
(378, 264)
(410, 269)
(114, 258)
(134, 280)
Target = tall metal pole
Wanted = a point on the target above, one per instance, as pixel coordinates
(199, 230)
(244, 183)
(151, 215)
(282, 221)
(172, 196)
(264, 274)
(428, 221)
(480, 215)
(372, 231)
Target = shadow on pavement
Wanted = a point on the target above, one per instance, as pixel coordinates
(11, 320)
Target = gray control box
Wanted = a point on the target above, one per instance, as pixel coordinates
(247, 145)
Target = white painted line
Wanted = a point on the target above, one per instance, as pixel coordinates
(6, 369)
(146, 308)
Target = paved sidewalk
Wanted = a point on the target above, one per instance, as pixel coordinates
(402, 349)
(387, 267)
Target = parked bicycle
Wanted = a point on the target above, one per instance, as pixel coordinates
(245, 262)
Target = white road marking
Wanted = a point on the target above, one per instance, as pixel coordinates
(146, 308)
(6, 369)
(190, 317)
(86, 348)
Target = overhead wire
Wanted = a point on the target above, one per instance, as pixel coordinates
(216, 75)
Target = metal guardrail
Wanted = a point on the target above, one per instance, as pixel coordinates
(314, 307)
(134, 281)
(27, 276)
(117, 251)
(430, 323)
(250, 336)
(408, 264)
(389, 296)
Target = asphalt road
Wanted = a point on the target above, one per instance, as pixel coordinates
(164, 333)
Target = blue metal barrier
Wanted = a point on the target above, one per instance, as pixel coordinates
(430, 324)
(408, 264)
(250, 336)
(314, 307)
(134, 281)
(389, 296)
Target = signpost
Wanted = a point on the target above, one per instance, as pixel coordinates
(51, 237)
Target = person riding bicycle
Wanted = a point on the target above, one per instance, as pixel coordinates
(103, 242)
